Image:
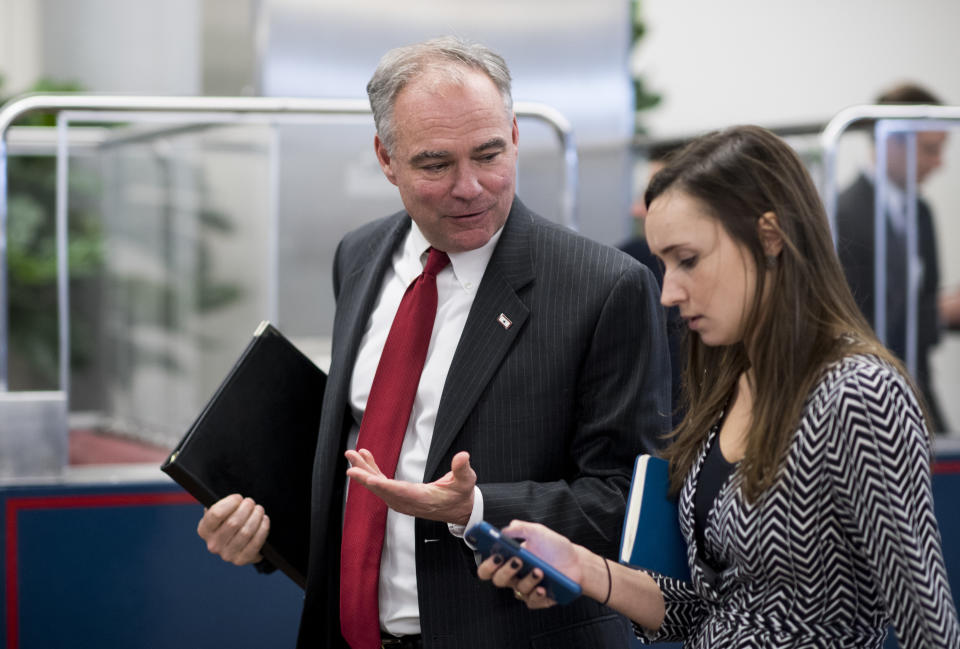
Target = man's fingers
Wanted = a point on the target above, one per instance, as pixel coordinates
(263, 532)
(460, 461)
(370, 461)
(460, 465)
(240, 549)
(224, 539)
(364, 460)
(355, 459)
(251, 553)
(461, 474)
(448, 499)
(216, 514)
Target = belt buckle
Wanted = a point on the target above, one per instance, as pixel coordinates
(391, 643)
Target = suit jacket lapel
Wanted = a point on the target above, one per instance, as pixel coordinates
(485, 340)
(358, 293)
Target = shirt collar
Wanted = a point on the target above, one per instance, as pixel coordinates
(468, 267)
(895, 200)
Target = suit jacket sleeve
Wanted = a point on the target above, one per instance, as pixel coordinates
(855, 243)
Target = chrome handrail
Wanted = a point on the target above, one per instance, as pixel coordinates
(888, 119)
(238, 109)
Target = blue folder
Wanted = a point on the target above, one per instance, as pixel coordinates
(651, 536)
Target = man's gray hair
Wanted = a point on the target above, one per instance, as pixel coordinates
(448, 55)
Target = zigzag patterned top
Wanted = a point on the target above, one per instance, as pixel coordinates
(844, 542)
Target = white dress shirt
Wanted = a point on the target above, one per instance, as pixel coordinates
(456, 287)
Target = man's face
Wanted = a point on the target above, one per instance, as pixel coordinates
(454, 159)
(929, 156)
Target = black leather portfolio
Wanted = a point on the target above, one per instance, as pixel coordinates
(256, 437)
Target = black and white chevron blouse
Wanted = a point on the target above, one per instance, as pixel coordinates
(844, 542)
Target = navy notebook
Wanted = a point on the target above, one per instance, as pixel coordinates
(651, 536)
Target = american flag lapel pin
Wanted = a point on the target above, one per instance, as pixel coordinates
(504, 321)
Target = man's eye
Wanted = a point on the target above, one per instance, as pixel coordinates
(435, 167)
(490, 157)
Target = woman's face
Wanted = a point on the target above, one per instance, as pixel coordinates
(707, 274)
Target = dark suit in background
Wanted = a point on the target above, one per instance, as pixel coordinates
(638, 248)
(856, 246)
(553, 411)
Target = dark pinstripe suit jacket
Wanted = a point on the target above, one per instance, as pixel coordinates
(553, 411)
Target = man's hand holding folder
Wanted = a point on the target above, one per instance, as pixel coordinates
(235, 528)
(251, 451)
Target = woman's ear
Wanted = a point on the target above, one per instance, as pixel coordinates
(770, 237)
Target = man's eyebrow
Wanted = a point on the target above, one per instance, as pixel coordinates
(492, 143)
(423, 156)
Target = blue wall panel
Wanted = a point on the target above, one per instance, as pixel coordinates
(91, 572)
(120, 566)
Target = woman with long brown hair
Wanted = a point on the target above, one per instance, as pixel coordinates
(803, 463)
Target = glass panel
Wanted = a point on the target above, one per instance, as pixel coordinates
(184, 235)
(186, 269)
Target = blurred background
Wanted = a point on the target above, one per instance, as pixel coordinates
(185, 233)
(185, 230)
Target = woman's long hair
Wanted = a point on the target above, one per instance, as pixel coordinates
(808, 320)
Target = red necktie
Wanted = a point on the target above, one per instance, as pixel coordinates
(381, 432)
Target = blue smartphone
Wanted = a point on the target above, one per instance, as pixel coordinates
(488, 540)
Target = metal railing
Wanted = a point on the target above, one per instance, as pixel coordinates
(233, 110)
(888, 120)
(30, 419)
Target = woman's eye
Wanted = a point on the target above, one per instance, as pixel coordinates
(688, 262)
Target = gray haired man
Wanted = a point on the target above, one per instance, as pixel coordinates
(545, 374)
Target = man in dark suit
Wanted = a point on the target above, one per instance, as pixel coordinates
(856, 237)
(547, 373)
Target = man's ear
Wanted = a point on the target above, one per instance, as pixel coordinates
(768, 228)
(383, 157)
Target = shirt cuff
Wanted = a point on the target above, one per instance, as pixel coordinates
(475, 517)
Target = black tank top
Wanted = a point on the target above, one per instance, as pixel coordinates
(713, 475)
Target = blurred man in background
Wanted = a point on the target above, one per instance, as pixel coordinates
(856, 245)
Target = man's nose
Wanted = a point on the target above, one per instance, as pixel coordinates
(466, 183)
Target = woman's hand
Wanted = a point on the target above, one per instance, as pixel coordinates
(631, 592)
(553, 548)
